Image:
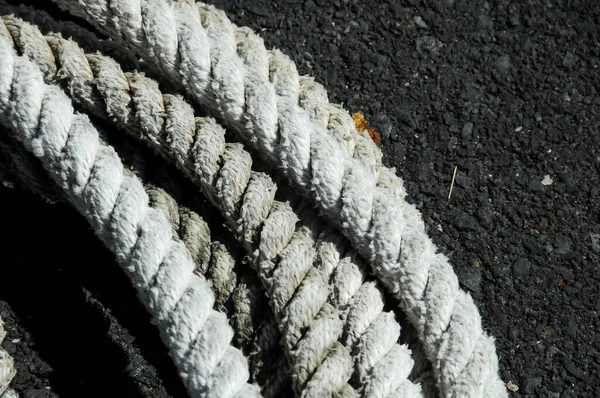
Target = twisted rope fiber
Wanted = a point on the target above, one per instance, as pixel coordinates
(7, 367)
(115, 204)
(117, 117)
(248, 88)
(237, 293)
(23, 35)
(10, 393)
(269, 336)
(192, 230)
(19, 166)
(211, 259)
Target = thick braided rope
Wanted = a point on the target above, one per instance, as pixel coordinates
(7, 367)
(115, 204)
(193, 231)
(339, 123)
(361, 364)
(211, 259)
(239, 294)
(389, 232)
(10, 393)
(25, 169)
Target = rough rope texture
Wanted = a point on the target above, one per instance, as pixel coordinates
(25, 169)
(227, 70)
(243, 303)
(95, 182)
(387, 379)
(7, 368)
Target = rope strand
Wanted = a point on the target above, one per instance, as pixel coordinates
(237, 191)
(7, 367)
(247, 297)
(92, 177)
(192, 46)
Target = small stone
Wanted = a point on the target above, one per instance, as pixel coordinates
(563, 244)
(420, 23)
(532, 384)
(485, 216)
(574, 370)
(464, 181)
(406, 118)
(514, 19)
(471, 279)
(399, 150)
(503, 63)
(498, 271)
(512, 386)
(556, 385)
(331, 74)
(44, 369)
(595, 242)
(383, 125)
(465, 222)
(569, 60)
(521, 268)
(535, 185)
(551, 352)
(547, 180)
(467, 130)
(532, 244)
(484, 22)
(429, 44)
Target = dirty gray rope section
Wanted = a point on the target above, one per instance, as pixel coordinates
(225, 70)
(238, 294)
(115, 204)
(7, 368)
(370, 333)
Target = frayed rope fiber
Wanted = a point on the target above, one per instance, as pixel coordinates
(7, 367)
(327, 312)
(93, 179)
(381, 366)
(256, 93)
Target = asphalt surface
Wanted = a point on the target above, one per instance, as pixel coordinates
(503, 91)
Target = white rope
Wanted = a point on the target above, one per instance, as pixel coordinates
(242, 85)
(24, 169)
(116, 206)
(7, 367)
(228, 186)
(247, 296)
(10, 393)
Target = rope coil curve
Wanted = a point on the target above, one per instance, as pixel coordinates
(244, 305)
(227, 70)
(7, 367)
(238, 202)
(115, 203)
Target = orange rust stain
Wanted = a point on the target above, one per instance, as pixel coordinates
(362, 125)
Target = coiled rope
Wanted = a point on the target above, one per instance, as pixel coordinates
(229, 72)
(385, 379)
(7, 367)
(115, 203)
(243, 305)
